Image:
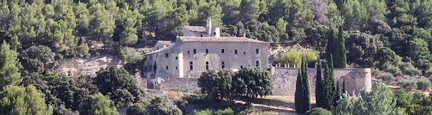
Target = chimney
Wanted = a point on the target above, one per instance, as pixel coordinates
(208, 27)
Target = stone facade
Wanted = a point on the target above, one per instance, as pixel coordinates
(189, 56)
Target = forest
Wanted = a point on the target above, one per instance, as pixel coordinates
(393, 37)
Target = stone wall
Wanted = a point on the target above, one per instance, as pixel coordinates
(285, 79)
(179, 84)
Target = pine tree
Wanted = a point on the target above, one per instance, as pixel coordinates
(299, 95)
(318, 86)
(306, 88)
(9, 72)
(342, 47)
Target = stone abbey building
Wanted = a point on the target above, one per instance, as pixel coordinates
(200, 49)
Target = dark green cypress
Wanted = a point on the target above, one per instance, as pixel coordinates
(329, 93)
(307, 103)
(318, 85)
(298, 99)
(338, 94)
(339, 53)
(342, 44)
(331, 35)
(344, 87)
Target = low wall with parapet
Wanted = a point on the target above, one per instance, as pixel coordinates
(285, 80)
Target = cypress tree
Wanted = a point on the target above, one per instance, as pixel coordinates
(306, 88)
(329, 93)
(342, 48)
(338, 94)
(344, 87)
(318, 86)
(331, 35)
(339, 53)
(299, 95)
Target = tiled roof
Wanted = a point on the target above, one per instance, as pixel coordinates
(219, 39)
(195, 28)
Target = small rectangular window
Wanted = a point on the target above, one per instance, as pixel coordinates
(166, 55)
(194, 51)
(241, 66)
(223, 65)
(235, 52)
(257, 63)
(206, 51)
(166, 67)
(191, 65)
(244, 53)
(222, 51)
(176, 68)
(188, 52)
(176, 58)
(257, 51)
(214, 33)
(207, 65)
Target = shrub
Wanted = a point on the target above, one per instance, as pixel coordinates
(424, 84)
(375, 71)
(393, 70)
(428, 73)
(294, 56)
(318, 111)
(404, 65)
(136, 109)
(386, 77)
(203, 112)
(227, 111)
(408, 83)
(411, 71)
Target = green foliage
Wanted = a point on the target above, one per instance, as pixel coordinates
(339, 52)
(119, 85)
(295, 56)
(216, 85)
(318, 111)
(424, 84)
(163, 106)
(101, 105)
(319, 86)
(381, 100)
(136, 109)
(387, 78)
(227, 111)
(251, 82)
(375, 71)
(428, 73)
(37, 59)
(204, 112)
(329, 93)
(17, 100)
(9, 72)
(129, 56)
(302, 92)
(412, 71)
(408, 83)
(393, 70)
(385, 55)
